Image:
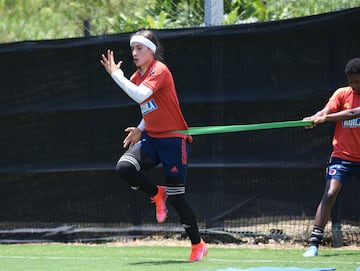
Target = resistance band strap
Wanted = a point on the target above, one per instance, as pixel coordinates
(246, 127)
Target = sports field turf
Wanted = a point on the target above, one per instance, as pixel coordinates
(74, 257)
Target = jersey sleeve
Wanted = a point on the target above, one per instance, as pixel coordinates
(336, 100)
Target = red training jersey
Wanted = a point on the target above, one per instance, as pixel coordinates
(161, 111)
(346, 139)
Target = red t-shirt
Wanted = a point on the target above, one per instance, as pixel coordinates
(346, 139)
(161, 111)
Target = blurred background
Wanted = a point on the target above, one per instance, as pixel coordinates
(52, 19)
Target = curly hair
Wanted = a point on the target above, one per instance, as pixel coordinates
(353, 66)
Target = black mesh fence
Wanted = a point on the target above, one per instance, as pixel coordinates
(63, 119)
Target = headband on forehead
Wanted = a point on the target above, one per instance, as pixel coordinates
(141, 39)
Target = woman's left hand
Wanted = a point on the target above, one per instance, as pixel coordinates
(134, 135)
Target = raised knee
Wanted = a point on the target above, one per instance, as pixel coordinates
(127, 164)
(124, 168)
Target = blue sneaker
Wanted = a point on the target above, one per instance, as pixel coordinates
(312, 251)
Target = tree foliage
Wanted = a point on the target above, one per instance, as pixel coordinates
(53, 19)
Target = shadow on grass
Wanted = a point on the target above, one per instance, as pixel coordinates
(157, 262)
(339, 254)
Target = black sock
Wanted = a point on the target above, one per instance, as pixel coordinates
(187, 217)
(316, 235)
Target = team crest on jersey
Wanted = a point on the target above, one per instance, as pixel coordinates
(353, 123)
(152, 71)
(148, 107)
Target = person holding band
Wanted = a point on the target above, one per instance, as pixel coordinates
(343, 108)
(150, 143)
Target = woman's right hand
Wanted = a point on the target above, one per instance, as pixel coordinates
(109, 63)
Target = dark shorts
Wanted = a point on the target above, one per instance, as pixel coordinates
(342, 170)
(171, 152)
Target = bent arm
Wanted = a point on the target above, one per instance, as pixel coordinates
(318, 117)
(343, 115)
(325, 115)
(137, 93)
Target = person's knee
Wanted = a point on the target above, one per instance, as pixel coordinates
(127, 164)
(330, 197)
(128, 172)
(124, 169)
(333, 187)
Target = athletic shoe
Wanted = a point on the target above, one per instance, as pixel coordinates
(198, 251)
(160, 202)
(312, 251)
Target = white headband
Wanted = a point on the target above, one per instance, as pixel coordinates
(141, 39)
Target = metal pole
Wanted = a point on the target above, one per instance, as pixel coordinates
(214, 12)
(86, 28)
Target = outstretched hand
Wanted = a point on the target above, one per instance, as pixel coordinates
(134, 135)
(312, 125)
(316, 119)
(108, 62)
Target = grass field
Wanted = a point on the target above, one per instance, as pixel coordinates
(111, 257)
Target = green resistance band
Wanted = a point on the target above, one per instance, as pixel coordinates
(245, 127)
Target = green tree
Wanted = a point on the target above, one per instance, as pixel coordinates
(53, 19)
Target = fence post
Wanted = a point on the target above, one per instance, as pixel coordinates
(214, 12)
(86, 24)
